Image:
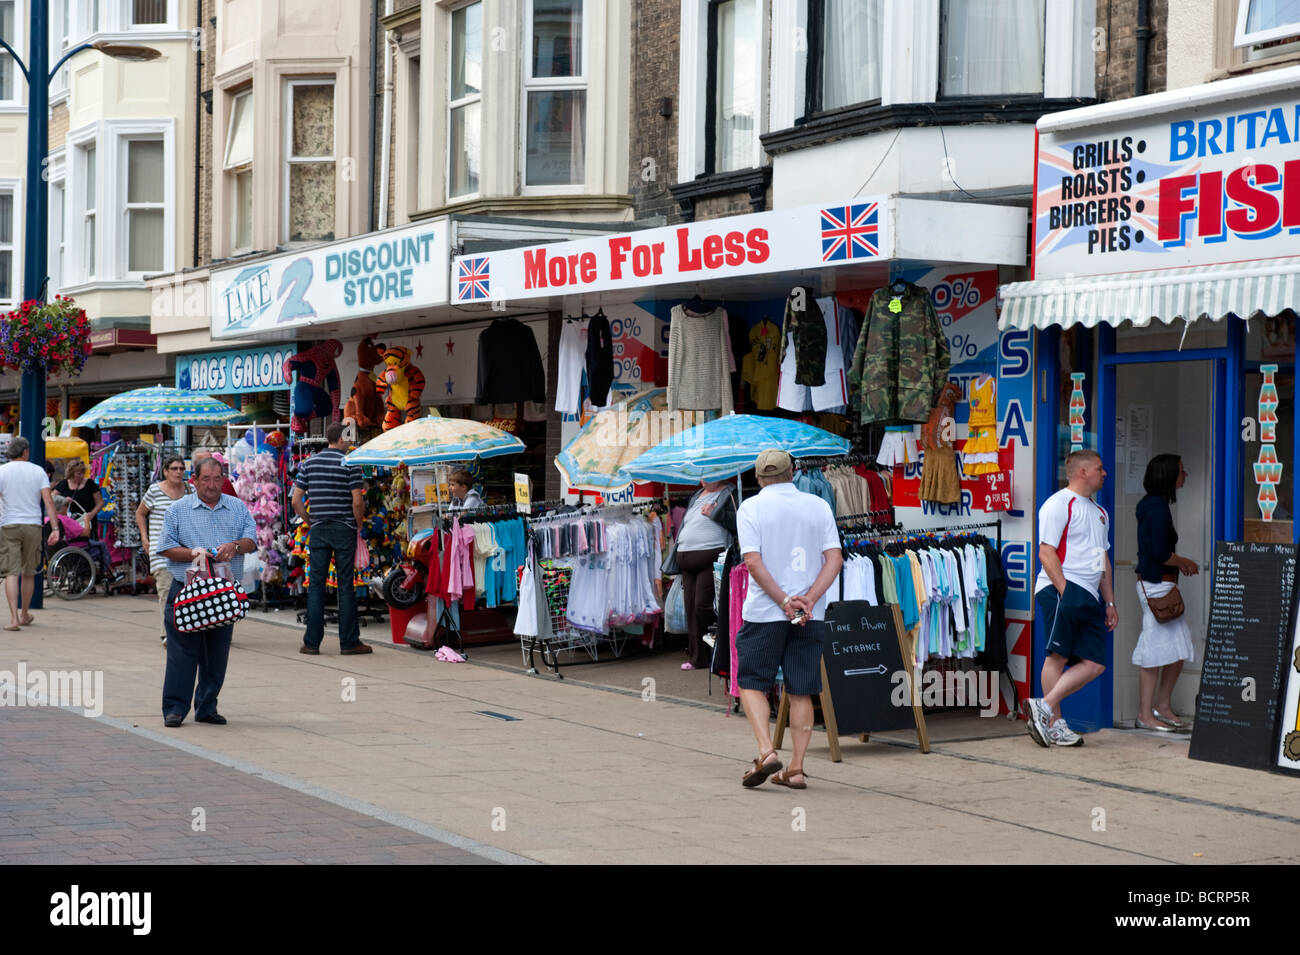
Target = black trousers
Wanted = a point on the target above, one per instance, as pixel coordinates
(697, 590)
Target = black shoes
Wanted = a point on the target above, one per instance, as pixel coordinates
(216, 719)
(172, 721)
(357, 648)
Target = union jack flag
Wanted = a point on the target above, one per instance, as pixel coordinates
(851, 232)
(473, 279)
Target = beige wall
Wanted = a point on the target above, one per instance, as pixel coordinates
(267, 42)
(1191, 42)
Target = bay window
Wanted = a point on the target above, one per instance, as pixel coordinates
(145, 206)
(309, 177)
(555, 94)
(7, 278)
(844, 53)
(8, 79)
(732, 107)
(89, 190)
(991, 47)
(238, 165)
(464, 101)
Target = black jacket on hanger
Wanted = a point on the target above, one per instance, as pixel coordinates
(509, 364)
(600, 359)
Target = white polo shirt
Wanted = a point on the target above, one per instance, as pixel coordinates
(1085, 541)
(790, 530)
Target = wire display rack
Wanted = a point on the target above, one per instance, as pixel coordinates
(566, 638)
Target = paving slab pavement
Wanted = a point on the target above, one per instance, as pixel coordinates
(585, 774)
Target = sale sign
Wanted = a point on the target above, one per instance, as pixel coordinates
(811, 237)
(980, 492)
(1198, 177)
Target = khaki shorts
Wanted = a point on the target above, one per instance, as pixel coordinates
(22, 549)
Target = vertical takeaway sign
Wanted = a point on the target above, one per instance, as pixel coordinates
(377, 274)
(1200, 177)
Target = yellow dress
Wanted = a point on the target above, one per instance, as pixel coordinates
(980, 454)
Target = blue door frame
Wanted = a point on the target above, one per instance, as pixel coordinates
(1092, 708)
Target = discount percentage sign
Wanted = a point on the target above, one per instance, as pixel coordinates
(965, 293)
(963, 347)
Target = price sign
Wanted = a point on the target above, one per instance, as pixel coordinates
(523, 493)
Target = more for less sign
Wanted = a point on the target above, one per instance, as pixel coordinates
(1216, 181)
(787, 239)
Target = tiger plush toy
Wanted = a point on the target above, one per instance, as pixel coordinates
(401, 384)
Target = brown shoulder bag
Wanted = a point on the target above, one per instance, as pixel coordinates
(1166, 608)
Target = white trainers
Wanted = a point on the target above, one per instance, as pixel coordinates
(1060, 734)
(1039, 720)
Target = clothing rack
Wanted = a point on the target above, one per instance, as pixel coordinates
(822, 461)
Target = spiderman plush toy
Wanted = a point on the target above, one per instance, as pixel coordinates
(318, 389)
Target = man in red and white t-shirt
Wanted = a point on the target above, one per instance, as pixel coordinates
(1074, 593)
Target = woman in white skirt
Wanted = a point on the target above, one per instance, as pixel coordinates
(1162, 648)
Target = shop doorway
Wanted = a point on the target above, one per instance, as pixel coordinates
(1162, 407)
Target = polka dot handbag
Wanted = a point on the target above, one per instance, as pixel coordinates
(208, 602)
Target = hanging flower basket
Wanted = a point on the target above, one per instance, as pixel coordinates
(53, 337)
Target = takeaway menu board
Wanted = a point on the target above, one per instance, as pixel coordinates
(1247, 644)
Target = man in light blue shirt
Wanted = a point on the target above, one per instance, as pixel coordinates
(221, 526)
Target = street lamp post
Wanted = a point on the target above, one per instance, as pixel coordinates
(31, 397)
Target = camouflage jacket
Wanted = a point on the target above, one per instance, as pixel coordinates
(809, 329)
(901, 362)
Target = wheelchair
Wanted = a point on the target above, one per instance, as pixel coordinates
(75, 568)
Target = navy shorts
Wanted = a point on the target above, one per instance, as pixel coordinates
(796, 650)
(1075, 623)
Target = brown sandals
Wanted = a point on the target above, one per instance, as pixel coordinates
(783, 778)
(761, 771)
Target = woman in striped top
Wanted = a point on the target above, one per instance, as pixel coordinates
(153, 506)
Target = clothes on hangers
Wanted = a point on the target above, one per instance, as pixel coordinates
(940, 482)
(509, 364)
(600, 359)
(831, 393)
(898, 447)
(980, 453)
(804, 337)
(699, 362)
(570, 362)
(761, 367)
(901, 360)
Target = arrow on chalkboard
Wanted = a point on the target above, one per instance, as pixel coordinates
(879, 668)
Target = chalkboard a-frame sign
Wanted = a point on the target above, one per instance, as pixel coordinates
(1241, 719)
(865, 646)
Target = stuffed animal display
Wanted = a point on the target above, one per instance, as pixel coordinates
(402, 384)
(365, 406)
(316, 393)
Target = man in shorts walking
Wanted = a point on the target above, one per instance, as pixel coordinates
(23, 488)
(791, 547)
(1074, 595)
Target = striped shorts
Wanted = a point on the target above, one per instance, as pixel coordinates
(796, 650)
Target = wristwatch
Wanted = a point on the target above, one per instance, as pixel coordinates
(1110, 603)
(788, 598)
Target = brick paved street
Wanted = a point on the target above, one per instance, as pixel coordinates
(75, 790)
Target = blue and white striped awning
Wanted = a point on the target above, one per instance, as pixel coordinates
(1245, 289)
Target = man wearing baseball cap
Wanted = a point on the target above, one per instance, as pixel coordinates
(791, 547)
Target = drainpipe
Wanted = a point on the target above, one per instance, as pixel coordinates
(1144, 34)
(384, 145)
(198, 121)
(370, 108)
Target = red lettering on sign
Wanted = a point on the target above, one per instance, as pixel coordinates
(1173, 204)
(735, 244)
(618, 249)
(534, 268)
(1209, 217)
(688, 259)
(757, 241)
(1261, 212)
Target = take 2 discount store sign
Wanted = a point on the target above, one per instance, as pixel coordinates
(760, 243)
(1201, 176)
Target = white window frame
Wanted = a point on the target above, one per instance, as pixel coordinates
(14, 188)
(556, 84)
(693, 80)
(19, 43)
(126, 207)
(1242, 38)
(57, 234)
(232, 173)
(469, 100)
(126, 13)
(114, 246)
(74, 196)
(287, 158)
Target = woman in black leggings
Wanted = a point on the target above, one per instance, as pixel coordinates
(707, 529)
